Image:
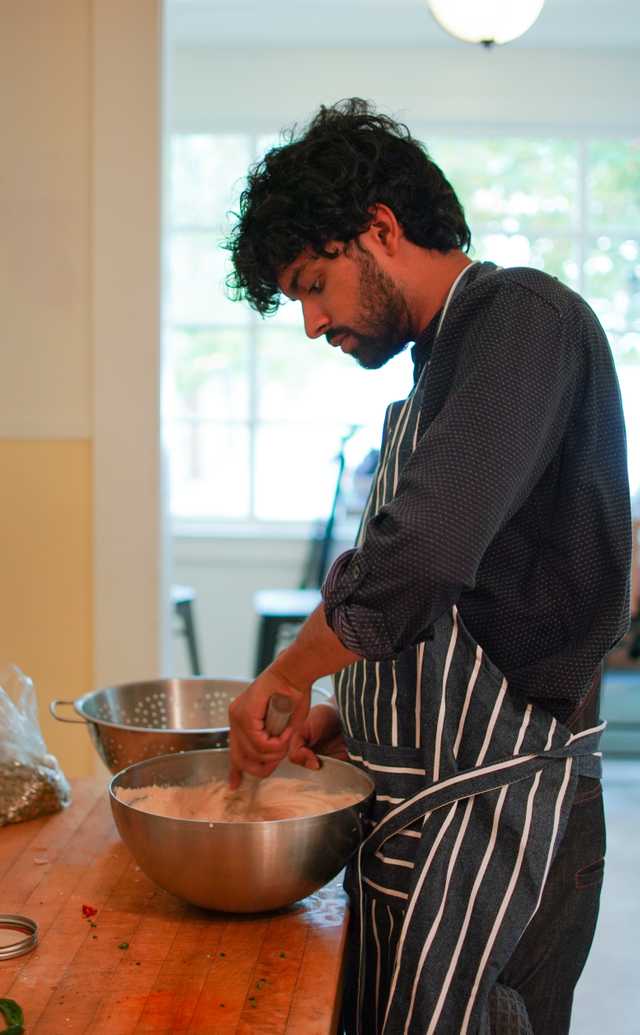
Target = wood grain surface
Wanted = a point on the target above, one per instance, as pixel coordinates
(184, 970)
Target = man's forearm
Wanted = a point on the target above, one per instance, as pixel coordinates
(315, 652)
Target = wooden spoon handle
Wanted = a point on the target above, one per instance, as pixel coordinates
(278, 714)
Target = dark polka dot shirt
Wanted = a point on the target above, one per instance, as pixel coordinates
(514, 503)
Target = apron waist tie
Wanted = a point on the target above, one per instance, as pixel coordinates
(581, 748)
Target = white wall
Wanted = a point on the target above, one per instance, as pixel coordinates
(455, 88)
(45, 274)
(459, 89)
(130, 574)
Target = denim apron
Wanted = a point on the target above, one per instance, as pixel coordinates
(474, 786)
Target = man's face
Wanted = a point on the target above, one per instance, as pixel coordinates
(352, 301)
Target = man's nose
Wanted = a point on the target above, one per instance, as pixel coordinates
(316, 321)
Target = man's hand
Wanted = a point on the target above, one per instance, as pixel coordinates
(315, 652)
(251, 749)
(321, 731)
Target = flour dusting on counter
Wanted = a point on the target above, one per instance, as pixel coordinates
(275, 798)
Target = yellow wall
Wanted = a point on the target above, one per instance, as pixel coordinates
(45, 595)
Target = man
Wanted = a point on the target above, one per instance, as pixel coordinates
(468, 626)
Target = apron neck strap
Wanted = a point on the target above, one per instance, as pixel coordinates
(452, 291)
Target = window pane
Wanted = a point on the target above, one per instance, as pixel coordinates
(206, 171)
(556, 256)
(209, 469)
(296, 470)
(614, 185)
(521, 199)
(209, 373)
(309, 380)
(629, 377)
(196, 291)
(626, 351)
(508, 184)
(612, 282)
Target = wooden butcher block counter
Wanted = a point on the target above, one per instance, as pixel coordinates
(152, 963)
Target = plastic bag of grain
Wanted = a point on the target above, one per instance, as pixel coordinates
(31, 781)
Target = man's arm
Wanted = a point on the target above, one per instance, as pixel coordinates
(315, 652)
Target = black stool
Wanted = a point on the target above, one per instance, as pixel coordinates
(182, 598)
(282, 612)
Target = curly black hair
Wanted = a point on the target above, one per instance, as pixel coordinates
(321, 186)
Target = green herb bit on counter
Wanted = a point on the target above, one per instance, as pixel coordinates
(123, 945)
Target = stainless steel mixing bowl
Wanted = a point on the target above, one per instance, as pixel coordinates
(240, 867)
(134, 721)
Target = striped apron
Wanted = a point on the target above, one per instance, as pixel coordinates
(474, 786)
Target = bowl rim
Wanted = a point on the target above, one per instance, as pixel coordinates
(79, 703)
(253, 823)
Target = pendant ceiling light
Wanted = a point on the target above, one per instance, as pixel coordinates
(486, 21)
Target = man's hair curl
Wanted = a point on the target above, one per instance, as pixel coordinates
(322, 185)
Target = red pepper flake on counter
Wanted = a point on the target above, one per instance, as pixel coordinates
(88, 911)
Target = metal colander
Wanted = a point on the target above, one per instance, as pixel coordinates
(135, 721)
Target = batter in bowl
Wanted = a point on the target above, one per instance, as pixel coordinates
(275, 798)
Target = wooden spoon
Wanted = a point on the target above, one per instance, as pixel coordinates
(276, 720)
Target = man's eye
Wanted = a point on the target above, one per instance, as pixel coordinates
(316, 287)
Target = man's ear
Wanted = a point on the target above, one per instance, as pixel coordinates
(384, 229)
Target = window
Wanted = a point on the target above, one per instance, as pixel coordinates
(255, 411)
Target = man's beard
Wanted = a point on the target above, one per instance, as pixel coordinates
(383, 312)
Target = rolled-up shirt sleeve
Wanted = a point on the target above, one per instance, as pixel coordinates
(360, 628)
(473, 466)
